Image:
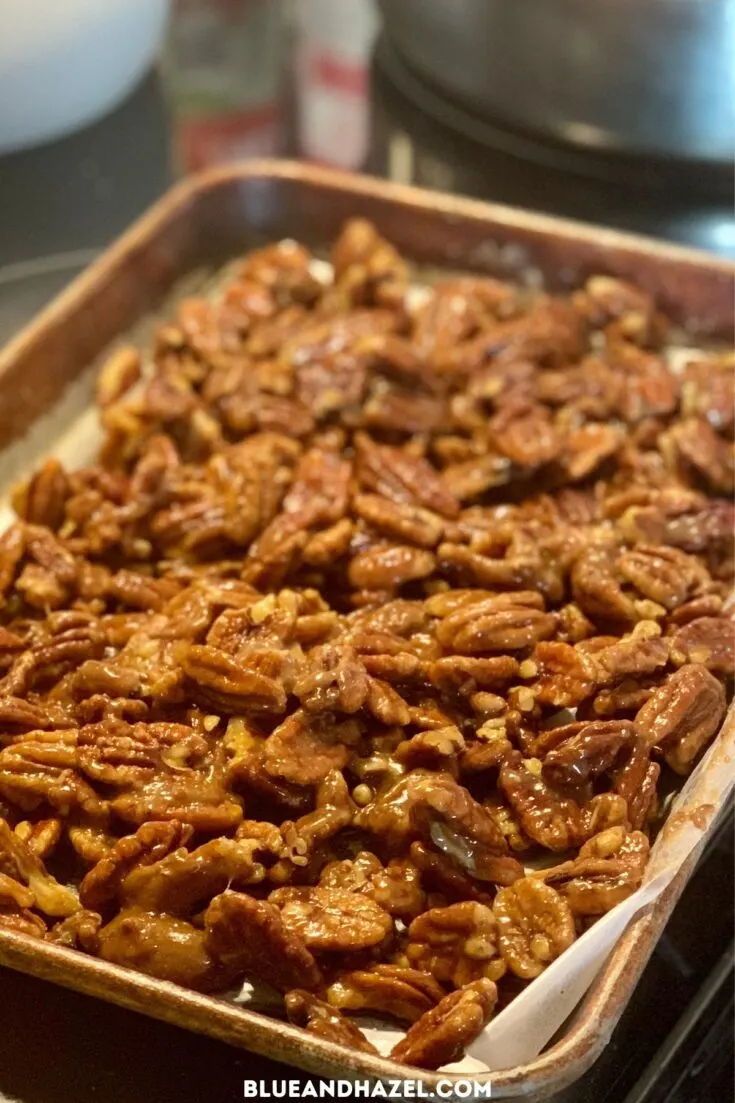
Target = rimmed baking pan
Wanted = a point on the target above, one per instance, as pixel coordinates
(45, 386)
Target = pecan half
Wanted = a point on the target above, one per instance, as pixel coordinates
(535, 925)
(306, 1010)
(395, 990)
(456, 944)
(683, 715)
(249, 938)
(441, 1035)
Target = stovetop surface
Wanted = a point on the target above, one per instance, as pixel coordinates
(59, 206)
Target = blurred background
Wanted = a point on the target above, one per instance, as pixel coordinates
(619, 111)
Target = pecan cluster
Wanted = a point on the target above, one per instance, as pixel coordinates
(370, 600)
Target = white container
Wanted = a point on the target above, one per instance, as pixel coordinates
(335, 40)
(63, 63)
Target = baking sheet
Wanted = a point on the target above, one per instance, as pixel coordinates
(224, 213)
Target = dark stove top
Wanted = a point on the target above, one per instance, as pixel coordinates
(59, 206)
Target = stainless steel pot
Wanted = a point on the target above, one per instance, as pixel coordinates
(654, 77)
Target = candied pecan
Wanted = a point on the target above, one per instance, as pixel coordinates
(694, 526)
(12, 548)
(388, 566)
(683, 715)
(20, 862)
(546, 817)
(435, 749)
(368, 268)
(395, 887)
(21, 921)
(709, 641)
(334, 679)
(608, 870)
(400, 520)
(181, 881)
(632, 767)
(563, 676)
(224, 684)
(586, 752)
(490, 749)
(503, 572)
(402, 478)
(148, 845)
(435, 805)
(470, 479)
(501, 623)
(323, 548)
(333, 919)
(597, 591)
(80, 931)
(641, 652)
(708, 605)
(385, 704)
(13, 892)
(665, 575)
(334, 811)
(456, 944)
(442, 875)
(41, 837)
(117, 375)
(395, 990)
(707, 392)
(441, 1035)
(525, 435)
(627, 696)
(465, 674)
(605, 298)
(643, 804)
(187, 796)
(163, 947)
(695, 445)
(325, 1021)
(42, 499)
(588, 447)
(249, 938)
(535, 924)
(303, 749)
